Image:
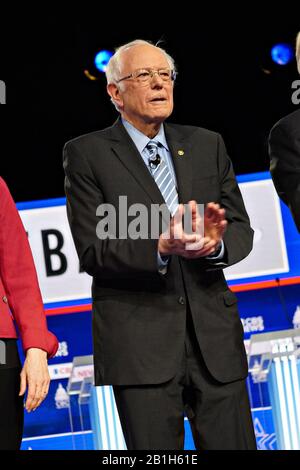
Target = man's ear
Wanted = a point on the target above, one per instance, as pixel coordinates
(114, 93)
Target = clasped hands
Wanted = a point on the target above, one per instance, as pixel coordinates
(194, 245)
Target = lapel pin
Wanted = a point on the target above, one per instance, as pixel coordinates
(180, 153)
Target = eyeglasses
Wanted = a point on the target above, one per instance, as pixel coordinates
(145, 75)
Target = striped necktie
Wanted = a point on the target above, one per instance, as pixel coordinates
(162, 176)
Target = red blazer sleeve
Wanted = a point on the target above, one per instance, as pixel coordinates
(19, 278)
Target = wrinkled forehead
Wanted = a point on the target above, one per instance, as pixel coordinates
(142, 56)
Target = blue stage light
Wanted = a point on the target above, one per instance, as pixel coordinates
(282, 54)
(101, 60)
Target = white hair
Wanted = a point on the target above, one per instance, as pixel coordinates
(298, 51)
(113, 69)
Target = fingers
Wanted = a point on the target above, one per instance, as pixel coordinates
(173, 240)
(214, 212)
(195, 245)
(178, 227)
(209, 248)
(37, 392)
(41, 393)
(40, 396)
(181, 241)
(23, 383)
(178, 230)
(177, 223)
(205, 248)
(194, 210)
(215, 222)
(35, 375)
(30, 400)
(196, 217)
(223, 226)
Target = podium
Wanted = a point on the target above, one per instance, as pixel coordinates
(78, 390)
(274, 359)
(93, 414)
(107, 430)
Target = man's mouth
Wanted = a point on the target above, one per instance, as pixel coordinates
(161, 99)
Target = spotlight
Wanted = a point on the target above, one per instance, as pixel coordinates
(282, 53)
(102, 59)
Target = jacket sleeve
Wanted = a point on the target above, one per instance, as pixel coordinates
(19, 278)
(284, 151)
(238, 238)
(108, 258)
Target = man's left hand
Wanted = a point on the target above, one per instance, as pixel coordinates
(214, 228)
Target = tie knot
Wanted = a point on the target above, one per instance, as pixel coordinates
(152, 147)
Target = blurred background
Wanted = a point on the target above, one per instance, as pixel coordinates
(227, 82)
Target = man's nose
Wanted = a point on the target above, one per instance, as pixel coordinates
(156, 80)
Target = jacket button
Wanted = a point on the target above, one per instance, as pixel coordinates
(181, 300)
(4, 299)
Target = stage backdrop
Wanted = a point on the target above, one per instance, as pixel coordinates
(267, 284)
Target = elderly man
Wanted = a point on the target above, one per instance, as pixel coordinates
(284, 150)
(166, 329)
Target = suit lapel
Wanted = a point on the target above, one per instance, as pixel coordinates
(125, 149)
(181, 154)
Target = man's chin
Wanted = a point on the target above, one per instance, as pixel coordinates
(159, 116)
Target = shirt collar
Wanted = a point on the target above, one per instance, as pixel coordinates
(141, 140)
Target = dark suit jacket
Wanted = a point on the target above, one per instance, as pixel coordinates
(284, 149)
(138, 314)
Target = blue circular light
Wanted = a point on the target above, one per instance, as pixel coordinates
(102, 59)
(282, 54)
